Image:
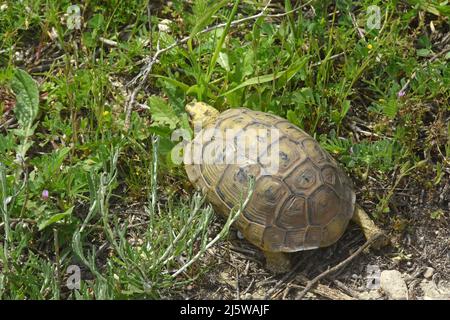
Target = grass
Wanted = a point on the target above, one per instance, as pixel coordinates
(64, 132)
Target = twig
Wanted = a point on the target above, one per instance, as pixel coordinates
(242, 250)
(140, 79)
(357, 129)
(108, 42)
(13, 220)
(339, 265)
(334, 56)
(6, 123)
(238, 294)
(322, 290)
(143, 74)
(327, 292)
(285, 278)
(145, 70)
(347, 290)
(355, 25)
(287, 289)
(248, 287)
(282, 280)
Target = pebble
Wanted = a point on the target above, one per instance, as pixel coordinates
(393, 285)
(370, 295)
(428, 273)
(247, 296)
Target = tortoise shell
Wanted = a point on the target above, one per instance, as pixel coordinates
(304, 204)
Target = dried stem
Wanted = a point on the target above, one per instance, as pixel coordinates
(339, 266)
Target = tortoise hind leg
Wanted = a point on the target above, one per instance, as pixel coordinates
(278, 262)
(369, 228)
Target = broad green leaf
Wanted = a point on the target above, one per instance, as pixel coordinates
(174, 82)
(293, 118)
(162, 113)
(223, 61)
(345, 107)
(255, 80)
(201, 23)
(288, 74)
(220, 43)
(55, 218)
(27, 96)
(292, 70)
(194, 89)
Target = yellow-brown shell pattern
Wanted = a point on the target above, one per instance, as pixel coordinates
(307, 203)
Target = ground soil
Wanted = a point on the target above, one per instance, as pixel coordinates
(237, 268)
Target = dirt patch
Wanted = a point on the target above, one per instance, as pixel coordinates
(237, 268)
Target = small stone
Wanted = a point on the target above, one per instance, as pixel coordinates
(428, 273)
(392, 283)
(164, 25)
(310, 295)
(370, 295)
(260, 294)
(247, 296)
(225, 278)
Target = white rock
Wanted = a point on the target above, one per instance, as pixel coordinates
(428, 273)
(247, 296)
(392, 283)
(164, 25)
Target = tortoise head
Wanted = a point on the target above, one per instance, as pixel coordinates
(201, 113)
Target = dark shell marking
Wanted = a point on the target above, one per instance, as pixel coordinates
(306, 204)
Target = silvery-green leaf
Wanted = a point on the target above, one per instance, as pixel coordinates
(27, 98)
(223, 61)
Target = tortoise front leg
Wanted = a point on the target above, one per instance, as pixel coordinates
(278, 262)
(370, 230)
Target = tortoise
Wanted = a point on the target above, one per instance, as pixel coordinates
(303, 202)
